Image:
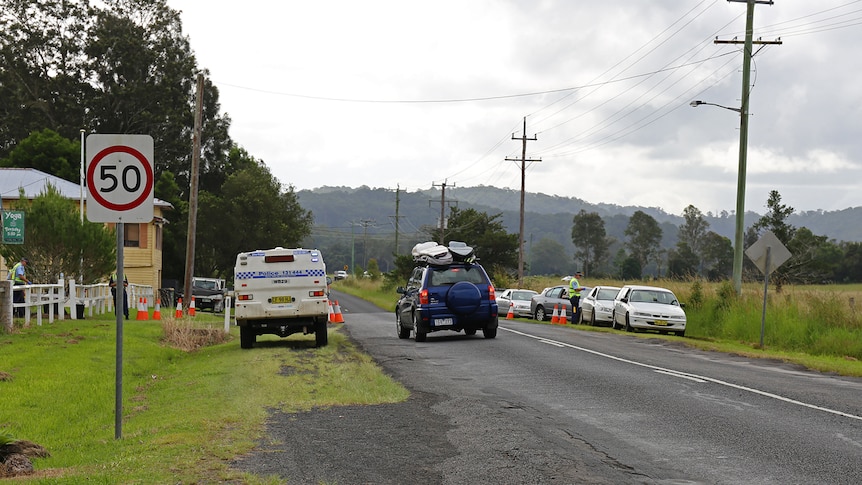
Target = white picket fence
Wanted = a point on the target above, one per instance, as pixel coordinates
(53, 299)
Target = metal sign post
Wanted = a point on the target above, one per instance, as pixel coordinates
(768, 253)
(120, 189)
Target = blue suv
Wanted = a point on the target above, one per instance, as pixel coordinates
(457, 296)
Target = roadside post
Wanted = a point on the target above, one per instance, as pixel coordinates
(120, 185)
(767, 254)
(227, 304)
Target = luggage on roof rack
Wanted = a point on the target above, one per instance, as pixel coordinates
(462, 252)
(431, 253)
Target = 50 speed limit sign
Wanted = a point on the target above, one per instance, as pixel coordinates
(120, 178)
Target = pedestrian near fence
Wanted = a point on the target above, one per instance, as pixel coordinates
(18, 275)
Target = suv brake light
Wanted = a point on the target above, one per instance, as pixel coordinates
(423, 297)
(492, 295)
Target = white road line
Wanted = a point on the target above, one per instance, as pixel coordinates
(676, 373)
(683, 376)
(552, 342)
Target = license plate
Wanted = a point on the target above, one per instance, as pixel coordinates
(661, 322)
(282, 299)
(439, 322)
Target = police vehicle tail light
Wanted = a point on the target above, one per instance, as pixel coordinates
(423, 297)
(316, 293)
(245, 297)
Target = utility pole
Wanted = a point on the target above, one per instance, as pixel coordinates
(523, 161)
(397, 217)
(193, 196)
(365, 223)
(352, 247)
(442, 225)
(743, 133)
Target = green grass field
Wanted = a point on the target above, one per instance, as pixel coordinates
(185, 414)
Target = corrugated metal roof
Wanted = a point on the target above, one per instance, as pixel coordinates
(34, 181)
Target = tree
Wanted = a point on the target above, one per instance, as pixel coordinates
(116, 66)
(631, 269)
(44, 80)
(404, 265)
(48, 152)
(851, 269)
(56, 242)
(717, 256)
(244, 219)
(682, 262)
(548, 256)
(644, 236)
(692, 232)
(814, 258)
(497, 249)
(590, 239)
(775, 219)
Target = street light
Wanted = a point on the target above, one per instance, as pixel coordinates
(740, 188)
(697, 102)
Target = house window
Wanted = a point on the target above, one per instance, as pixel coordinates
(132, 236)
(159, 237)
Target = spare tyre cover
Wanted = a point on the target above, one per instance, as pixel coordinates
(463, 298)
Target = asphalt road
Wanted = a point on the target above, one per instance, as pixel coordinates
(550, 404)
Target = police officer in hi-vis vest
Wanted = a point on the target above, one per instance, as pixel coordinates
(575, 289)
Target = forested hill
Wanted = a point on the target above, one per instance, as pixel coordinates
(366, 210)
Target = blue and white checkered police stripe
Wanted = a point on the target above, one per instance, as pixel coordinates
(247, 275)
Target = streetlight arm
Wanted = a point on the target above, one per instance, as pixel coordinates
(697, 102)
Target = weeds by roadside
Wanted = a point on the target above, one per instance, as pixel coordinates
(186, 335)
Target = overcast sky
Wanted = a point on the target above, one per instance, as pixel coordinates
(415, 94)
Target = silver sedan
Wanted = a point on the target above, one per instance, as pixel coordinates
(518, 299)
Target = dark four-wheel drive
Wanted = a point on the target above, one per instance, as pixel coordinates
(457, 296)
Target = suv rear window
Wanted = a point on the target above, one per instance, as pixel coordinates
(451, 275)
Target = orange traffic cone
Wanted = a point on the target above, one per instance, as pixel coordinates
(179, 313)
(331, 312)
(140, 315)
(563, 316)
(157, 313)
(555, 318)
(192, 307)
(511, 313)
(145, 307)
(339, 318)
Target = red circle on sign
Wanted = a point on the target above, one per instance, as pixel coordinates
(148, 176)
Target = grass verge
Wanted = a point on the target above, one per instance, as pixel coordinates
(186, 414)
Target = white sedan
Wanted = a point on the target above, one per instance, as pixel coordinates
(519, 298)
(598, 306)
(648, 308)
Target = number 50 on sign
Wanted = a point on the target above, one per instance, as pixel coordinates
(120, 178)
